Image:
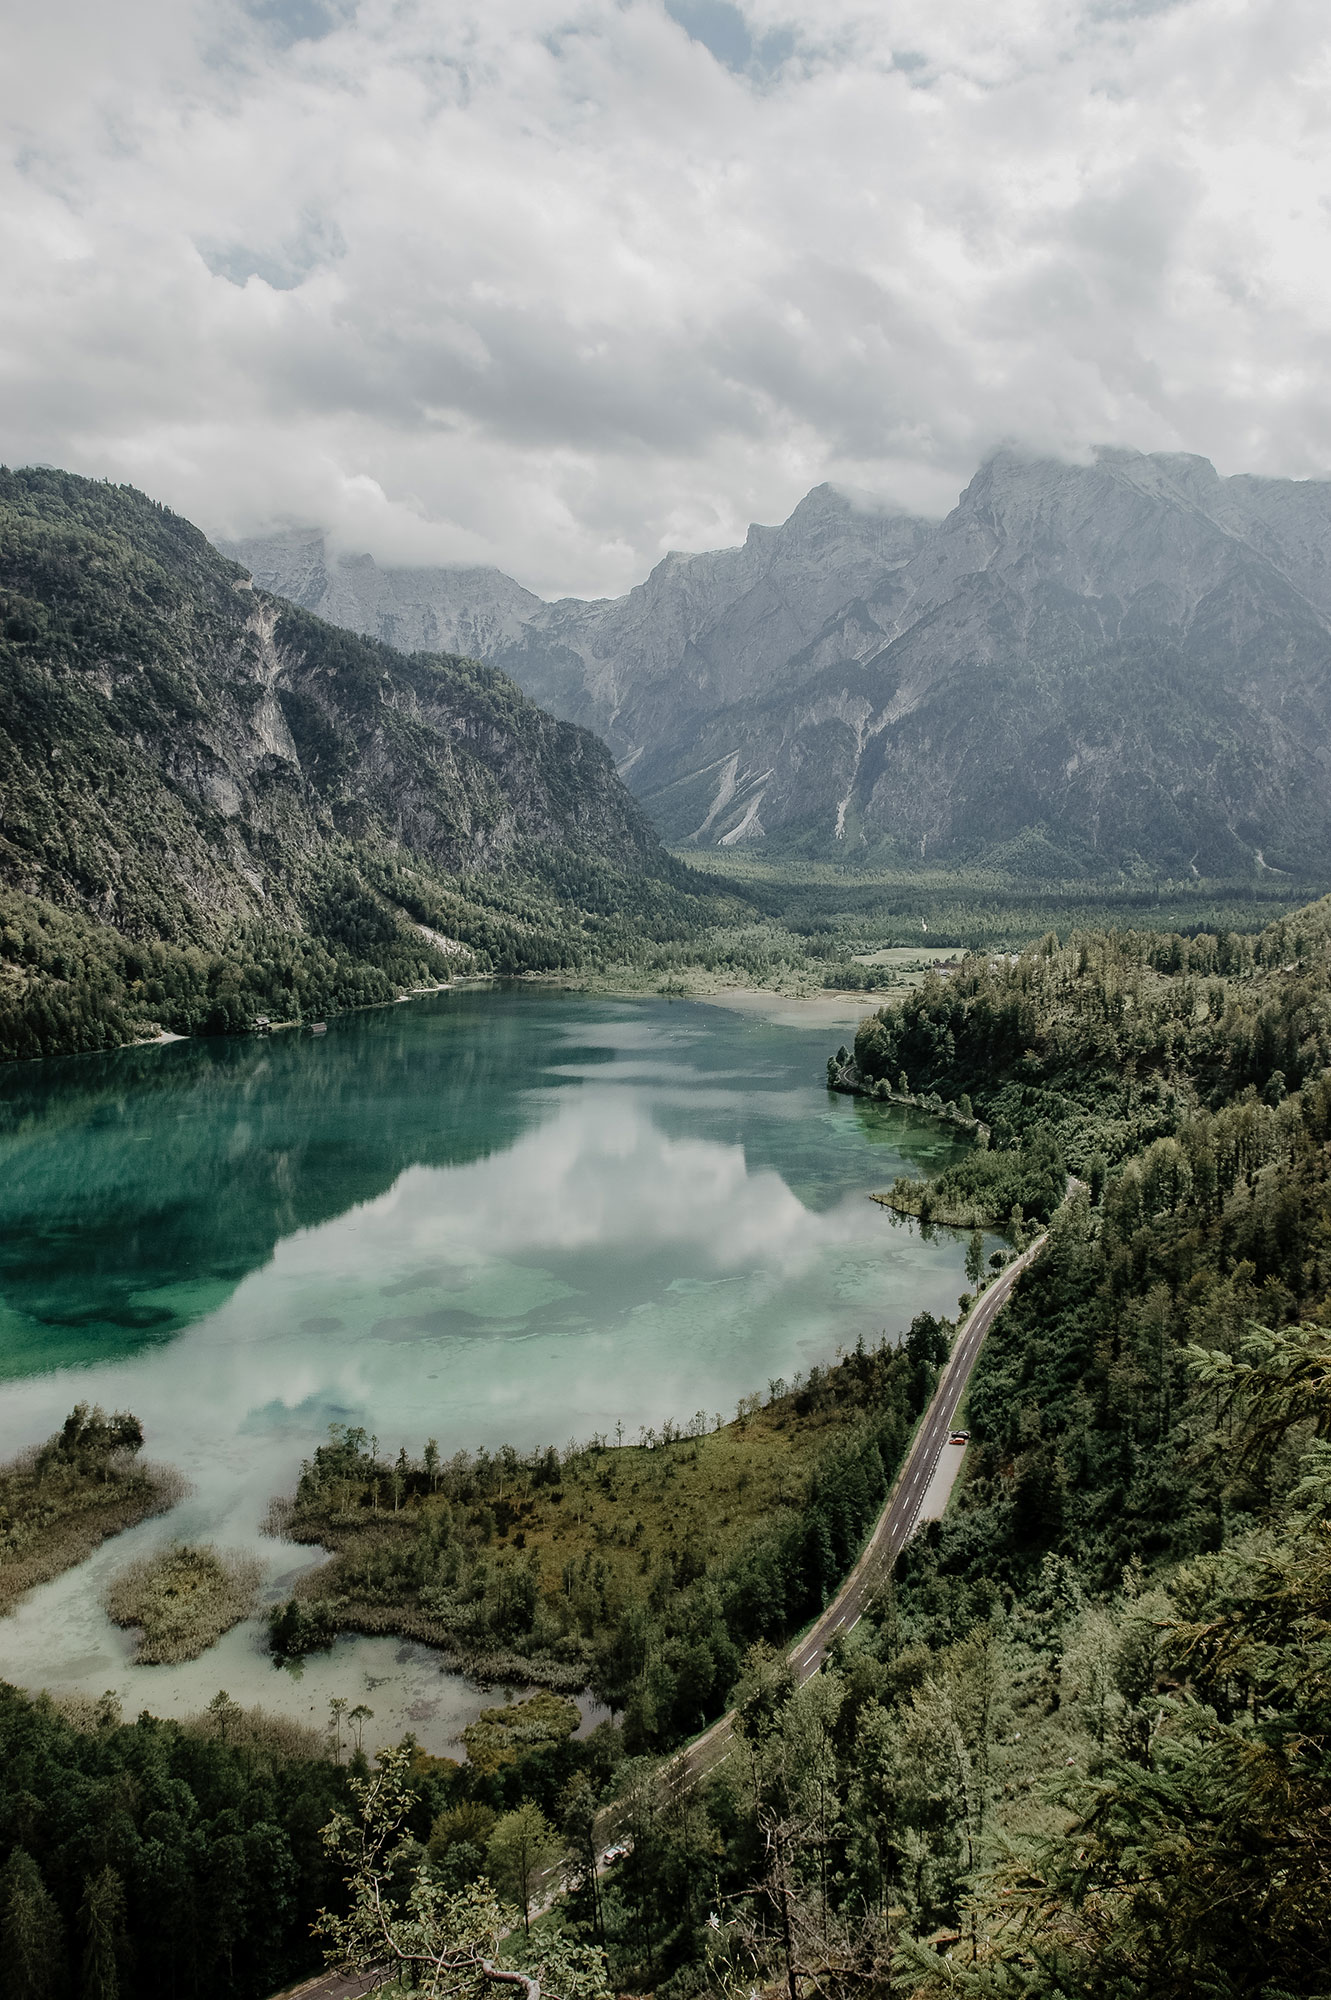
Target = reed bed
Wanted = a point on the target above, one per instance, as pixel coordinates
(60, 1500)
(183, 1599)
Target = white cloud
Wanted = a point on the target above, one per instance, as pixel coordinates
(560, 284)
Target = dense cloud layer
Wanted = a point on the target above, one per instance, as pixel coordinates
(560, 284)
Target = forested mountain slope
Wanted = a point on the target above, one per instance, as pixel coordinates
(1104, 1732)
(1082, 1745)
(215, 804)
(1084, 667)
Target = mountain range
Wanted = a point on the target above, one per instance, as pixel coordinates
(1083, 668)
(212, 803)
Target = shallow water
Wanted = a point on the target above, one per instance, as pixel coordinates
(488, 1215)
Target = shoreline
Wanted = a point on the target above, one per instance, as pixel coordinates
(913, 1206)
(810, 1011)
(801, 1004)
(795, 1007)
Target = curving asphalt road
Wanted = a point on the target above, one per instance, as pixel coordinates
(894, 1528)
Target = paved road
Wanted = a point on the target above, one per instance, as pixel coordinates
(332, 1986)
(894, 1528)
(896, 1524)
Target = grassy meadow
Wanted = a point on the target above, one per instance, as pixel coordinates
(691, 1499)
(854, 911)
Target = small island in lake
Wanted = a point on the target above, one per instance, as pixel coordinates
(183, 1599)
(60, 1501)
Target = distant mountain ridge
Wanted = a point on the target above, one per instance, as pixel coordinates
(1081, 668)
(699, 634)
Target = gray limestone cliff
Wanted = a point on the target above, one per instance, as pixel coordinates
(1125, 663)
(182, 753)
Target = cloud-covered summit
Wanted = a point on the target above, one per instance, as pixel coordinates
(558, 285)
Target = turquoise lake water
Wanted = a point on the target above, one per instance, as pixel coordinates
(491, 1214)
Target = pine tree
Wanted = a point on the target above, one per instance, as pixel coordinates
(32, 1942)
(102, 1924)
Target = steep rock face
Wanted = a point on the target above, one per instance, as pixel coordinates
(182, 752)
(703, 631)
(477, 613)
(708, 631)
(1082, 666)
(1119, 653)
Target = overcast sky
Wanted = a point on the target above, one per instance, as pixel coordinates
(562, 284)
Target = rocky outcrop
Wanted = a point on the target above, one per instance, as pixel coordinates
(183, 753)
(1125, 663)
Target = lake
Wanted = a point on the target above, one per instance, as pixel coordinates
(486, 1215)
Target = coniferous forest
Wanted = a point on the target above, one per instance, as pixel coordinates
(665, 1001)
(1079, 1745)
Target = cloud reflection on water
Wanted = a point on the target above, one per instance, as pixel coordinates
(601, 1174)
(625, 1251)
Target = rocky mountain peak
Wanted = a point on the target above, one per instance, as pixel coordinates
(1134, 648)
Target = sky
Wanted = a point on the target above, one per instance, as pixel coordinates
(563, 286)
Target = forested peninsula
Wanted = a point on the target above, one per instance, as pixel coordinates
(642, 1571)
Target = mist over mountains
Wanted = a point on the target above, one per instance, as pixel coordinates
(1081, 669)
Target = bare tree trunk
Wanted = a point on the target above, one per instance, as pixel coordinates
(783, 1904)
(531, 1987)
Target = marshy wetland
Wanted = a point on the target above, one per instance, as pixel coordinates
(490, 1217)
